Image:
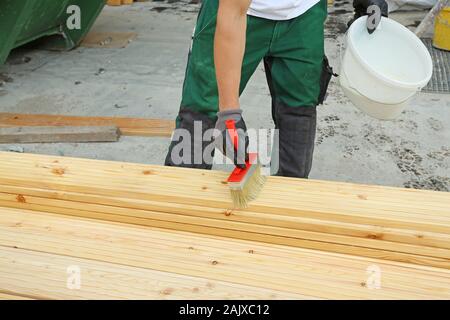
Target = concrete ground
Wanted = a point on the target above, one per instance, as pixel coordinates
(145, 79)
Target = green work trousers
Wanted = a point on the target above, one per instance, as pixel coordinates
(293, 49)
(293, 55)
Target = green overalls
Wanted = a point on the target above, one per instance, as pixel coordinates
(295, 48)
(293, 55)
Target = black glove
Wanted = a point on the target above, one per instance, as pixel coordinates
(231, 136)
(362, 7)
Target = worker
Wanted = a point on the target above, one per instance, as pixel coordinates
(230, 40)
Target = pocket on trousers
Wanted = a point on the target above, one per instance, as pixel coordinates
(206, 21)
(325, 78)
(210, 25)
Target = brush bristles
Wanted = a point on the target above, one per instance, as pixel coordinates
(249, 191)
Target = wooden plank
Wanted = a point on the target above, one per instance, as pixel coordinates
(7, 296)
(300, 271)
(12, 196)
(56, 134)
(315, 199)
(366, 231)
(327, 242)
(114, 2)
(397, 224)
(29, 273)
(127, 126)
(427, 23)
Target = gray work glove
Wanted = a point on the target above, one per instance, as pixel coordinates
(373, 8)
(231, 136)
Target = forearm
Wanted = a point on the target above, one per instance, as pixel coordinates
(229, 47)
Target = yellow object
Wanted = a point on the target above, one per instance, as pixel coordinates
(118, 2)
(441, 38)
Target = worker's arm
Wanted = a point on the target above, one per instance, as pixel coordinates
(229, 47)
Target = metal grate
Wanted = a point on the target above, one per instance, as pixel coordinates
(440, 81)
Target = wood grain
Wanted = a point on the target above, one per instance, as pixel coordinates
(8, 296)
(308, 273)
(128, 126)
(386, 223)
(59, 134)
(149, 232)
(29, 273)
(327, 242)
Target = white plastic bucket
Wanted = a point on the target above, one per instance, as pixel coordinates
(382, 111)
(381, 71)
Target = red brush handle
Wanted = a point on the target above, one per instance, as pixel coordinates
(231, 127)
(239, 174)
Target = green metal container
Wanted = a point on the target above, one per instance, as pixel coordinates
(22, 21)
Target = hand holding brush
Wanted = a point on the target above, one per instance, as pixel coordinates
(246, 181)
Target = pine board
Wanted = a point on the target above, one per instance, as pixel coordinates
(31, 273)
(396, 224)
(8, 296)
(128, 126)
(303, 272)
(370, 248)
(59, 134)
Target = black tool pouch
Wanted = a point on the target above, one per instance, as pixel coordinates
(325, 78)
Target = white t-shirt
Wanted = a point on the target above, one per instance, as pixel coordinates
(280, 9)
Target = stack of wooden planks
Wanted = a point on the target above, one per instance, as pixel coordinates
(140, 231)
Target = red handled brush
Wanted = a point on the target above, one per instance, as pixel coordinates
(245, 183)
